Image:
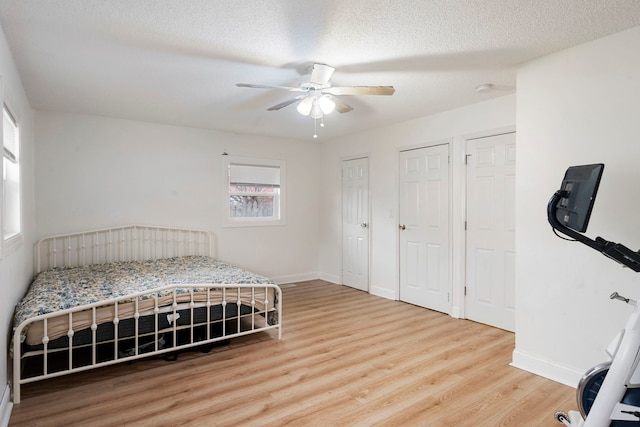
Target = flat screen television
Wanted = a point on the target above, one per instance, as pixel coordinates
(579, 188)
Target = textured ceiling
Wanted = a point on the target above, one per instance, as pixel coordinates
(177, 62)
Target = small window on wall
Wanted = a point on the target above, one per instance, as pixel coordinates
(255, 192)
(11, 224)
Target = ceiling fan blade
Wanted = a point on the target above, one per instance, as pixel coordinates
(285, 103)
(341, 107)
(360, 90)
(321, 74)
(289, 88)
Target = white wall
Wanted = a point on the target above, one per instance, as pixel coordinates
(15, 266)
(96, 172)
(383, 147)
(578, 106)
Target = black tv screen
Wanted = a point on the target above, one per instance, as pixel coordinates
(579, 188)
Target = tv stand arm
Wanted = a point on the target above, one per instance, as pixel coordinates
(615, 251)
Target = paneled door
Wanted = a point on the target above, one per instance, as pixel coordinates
(355, 223)
(424, 227)
(490, 252)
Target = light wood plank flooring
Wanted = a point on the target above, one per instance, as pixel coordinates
(346, 359)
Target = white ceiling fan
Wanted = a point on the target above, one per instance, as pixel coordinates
(318, 97)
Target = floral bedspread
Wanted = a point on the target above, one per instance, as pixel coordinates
(62, 288)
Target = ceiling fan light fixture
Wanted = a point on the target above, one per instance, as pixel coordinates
(326, 104)
(316, 110)
(305, 106)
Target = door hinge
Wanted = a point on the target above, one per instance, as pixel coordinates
(465, 291)
(465, 226)
(448, 297)
(466, 158)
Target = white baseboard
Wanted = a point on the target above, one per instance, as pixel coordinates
(381, 292)
(295, 278)
(303, 277)
(456, 312)
(545, 368)
(331, 278)
(5, 407)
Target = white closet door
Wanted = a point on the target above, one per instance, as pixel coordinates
(424, 228)
(490, 252)
(355, 223)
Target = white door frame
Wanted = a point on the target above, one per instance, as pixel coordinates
(451, 144)
(460, 256)
(342, 160)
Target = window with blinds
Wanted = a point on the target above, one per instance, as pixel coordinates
(254, 192)
(11, 224)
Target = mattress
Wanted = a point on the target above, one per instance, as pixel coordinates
(65, 288)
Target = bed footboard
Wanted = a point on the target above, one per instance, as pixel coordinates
(144, 324)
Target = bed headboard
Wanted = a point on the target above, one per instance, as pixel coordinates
(128, 243)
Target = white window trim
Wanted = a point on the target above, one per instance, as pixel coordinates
(227, 220)
(11, 243)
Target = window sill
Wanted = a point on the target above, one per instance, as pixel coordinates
(253, 223)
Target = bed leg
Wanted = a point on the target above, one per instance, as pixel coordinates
(17, 372)
(279, 315)
(15, 390)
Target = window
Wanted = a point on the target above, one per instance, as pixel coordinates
(254, 192)
(11, 226)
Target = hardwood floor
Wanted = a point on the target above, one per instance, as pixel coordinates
(346, 359)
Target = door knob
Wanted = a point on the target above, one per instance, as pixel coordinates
(364, 225)
(402, 227)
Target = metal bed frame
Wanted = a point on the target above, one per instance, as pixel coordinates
(241, 309)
